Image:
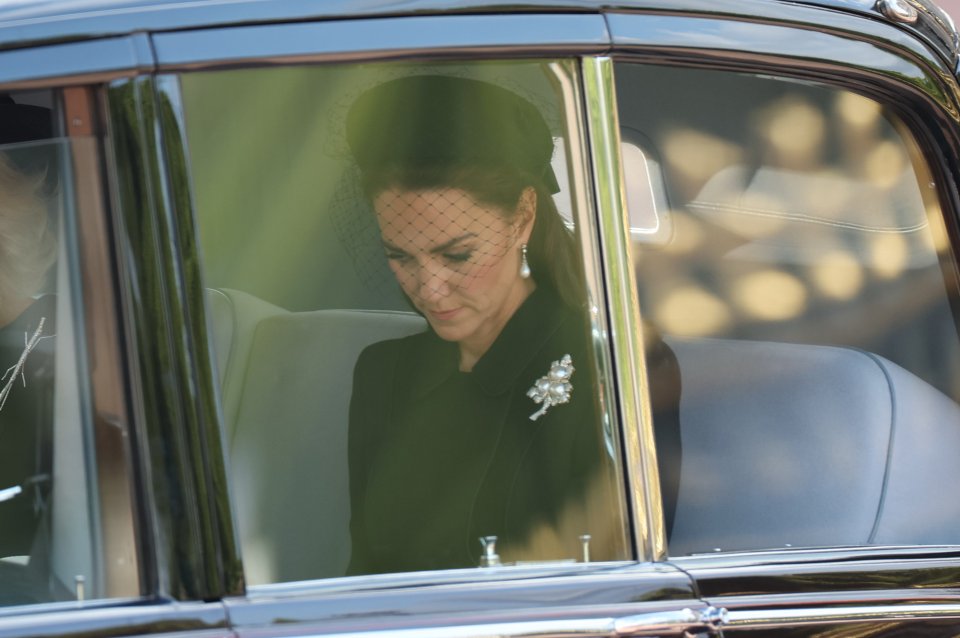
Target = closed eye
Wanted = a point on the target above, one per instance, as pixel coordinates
(396, 255)
(459, 257)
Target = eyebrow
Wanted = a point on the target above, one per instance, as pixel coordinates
(436, 249)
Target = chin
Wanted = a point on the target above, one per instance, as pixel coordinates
(449, 332)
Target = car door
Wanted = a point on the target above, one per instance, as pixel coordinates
(772, 170)
(280, 255)
(80, 551)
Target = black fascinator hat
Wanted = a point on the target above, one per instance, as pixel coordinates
(21, 123)
(434, 121)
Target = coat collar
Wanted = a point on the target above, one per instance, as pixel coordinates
(524, 335)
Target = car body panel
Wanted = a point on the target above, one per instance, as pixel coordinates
(193, 620)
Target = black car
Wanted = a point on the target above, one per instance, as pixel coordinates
(190, 267)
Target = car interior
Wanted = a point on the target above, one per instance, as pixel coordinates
(805, 291)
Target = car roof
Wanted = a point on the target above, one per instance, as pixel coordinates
(32, 22)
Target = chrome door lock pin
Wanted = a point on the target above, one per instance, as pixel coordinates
(489, 558)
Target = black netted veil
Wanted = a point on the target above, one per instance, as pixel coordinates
(458, 141)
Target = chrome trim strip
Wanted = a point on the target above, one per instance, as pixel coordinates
(588, 576)
(353, 39)
(585, 628)
(815, 558)
(655, 623)
(76, 63)
(770, 618)
(625, 326)
(585, 212)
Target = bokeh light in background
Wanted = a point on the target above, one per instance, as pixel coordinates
(797, 213)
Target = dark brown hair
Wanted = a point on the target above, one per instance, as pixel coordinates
(552, 250)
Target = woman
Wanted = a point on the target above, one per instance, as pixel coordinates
(27, 324)
(496, 400)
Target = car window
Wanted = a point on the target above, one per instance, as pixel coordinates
(50, 531)
(790, 247)
(411, 377)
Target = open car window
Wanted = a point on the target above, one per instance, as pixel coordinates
(348, 271)
(792, 249)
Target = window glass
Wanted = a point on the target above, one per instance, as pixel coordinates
(799, 269)
(399, 310)
(49, 530)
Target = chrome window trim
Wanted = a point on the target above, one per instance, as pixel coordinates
(577, 137)
(75, 63)
(801, 556)
(381, 38)
(624, 308)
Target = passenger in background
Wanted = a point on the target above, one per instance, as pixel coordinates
(27, 322)
(496, 400)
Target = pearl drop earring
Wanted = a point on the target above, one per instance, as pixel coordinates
(524, 266)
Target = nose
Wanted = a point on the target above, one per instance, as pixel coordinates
(433, 281)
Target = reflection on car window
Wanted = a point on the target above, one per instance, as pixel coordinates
(804, 287)
(46, 532)
(401, 320)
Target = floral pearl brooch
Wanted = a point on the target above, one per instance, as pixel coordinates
(554, 388)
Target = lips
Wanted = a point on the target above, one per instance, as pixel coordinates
(444, 315)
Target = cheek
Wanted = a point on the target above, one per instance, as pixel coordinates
(483, 281)
(405, 277)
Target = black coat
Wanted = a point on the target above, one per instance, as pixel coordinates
(25, 430)
(440, 457)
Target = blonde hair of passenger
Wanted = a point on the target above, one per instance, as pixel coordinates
(28, 246)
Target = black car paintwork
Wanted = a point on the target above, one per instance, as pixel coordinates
(809, 582)
(110, 618)
(188, 513)
(31, 24)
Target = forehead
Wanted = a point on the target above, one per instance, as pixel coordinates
(436, 215)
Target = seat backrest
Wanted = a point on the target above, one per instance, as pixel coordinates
(783, 444)
(288, 436)
(234, 316)
(800, 445)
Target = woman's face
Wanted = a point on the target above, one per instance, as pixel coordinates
(458, 260)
